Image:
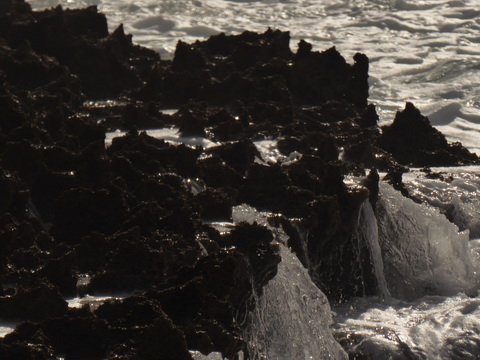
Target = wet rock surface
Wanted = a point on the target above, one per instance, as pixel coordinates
(135, 217)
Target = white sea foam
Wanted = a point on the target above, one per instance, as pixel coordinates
(292, 314)
(197, 355)
(268, 151)
(432, 327)
(292, 317)
(423, 253)
(457, 194)
(171, 135)
(367, 231)
(92, 301)
(270, 154)
(6, 329)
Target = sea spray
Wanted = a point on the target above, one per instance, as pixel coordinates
(292, 318)
(197, 355)
(454, 190)
(432, 327)
(423, 253)
(367, 231)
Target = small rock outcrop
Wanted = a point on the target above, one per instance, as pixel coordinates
(413, 141)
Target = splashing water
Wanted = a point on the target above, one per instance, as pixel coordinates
(455, 191)
(432, 327)
(292, 317)
(368, 231)
(423, 252)
(415, 251)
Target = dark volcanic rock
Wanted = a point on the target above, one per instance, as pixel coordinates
(77, 337)
(412, 140)
(344, 265)
(40, 302)
(24, 351)
(239, 155)
(216, 204)
(74, 336)
(133, 311)
(139, 216)
(165, 341)
(216, 173)
(319, 77)
(79, 39)
(81, 211)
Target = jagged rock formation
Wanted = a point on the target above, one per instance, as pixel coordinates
(135, 216)
(412, 140)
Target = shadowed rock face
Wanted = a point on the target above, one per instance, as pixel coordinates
(135, 216)
(412, 140)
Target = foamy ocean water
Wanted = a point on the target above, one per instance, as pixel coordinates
(425, 52)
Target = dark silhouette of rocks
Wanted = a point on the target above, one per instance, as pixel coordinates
(135, 218)
(39, 302)
(412, 140)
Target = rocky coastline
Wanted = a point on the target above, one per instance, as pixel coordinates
(135, 217)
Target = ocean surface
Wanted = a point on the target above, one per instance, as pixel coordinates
(426, 52)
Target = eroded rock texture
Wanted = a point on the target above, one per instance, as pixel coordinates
(135, 218)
